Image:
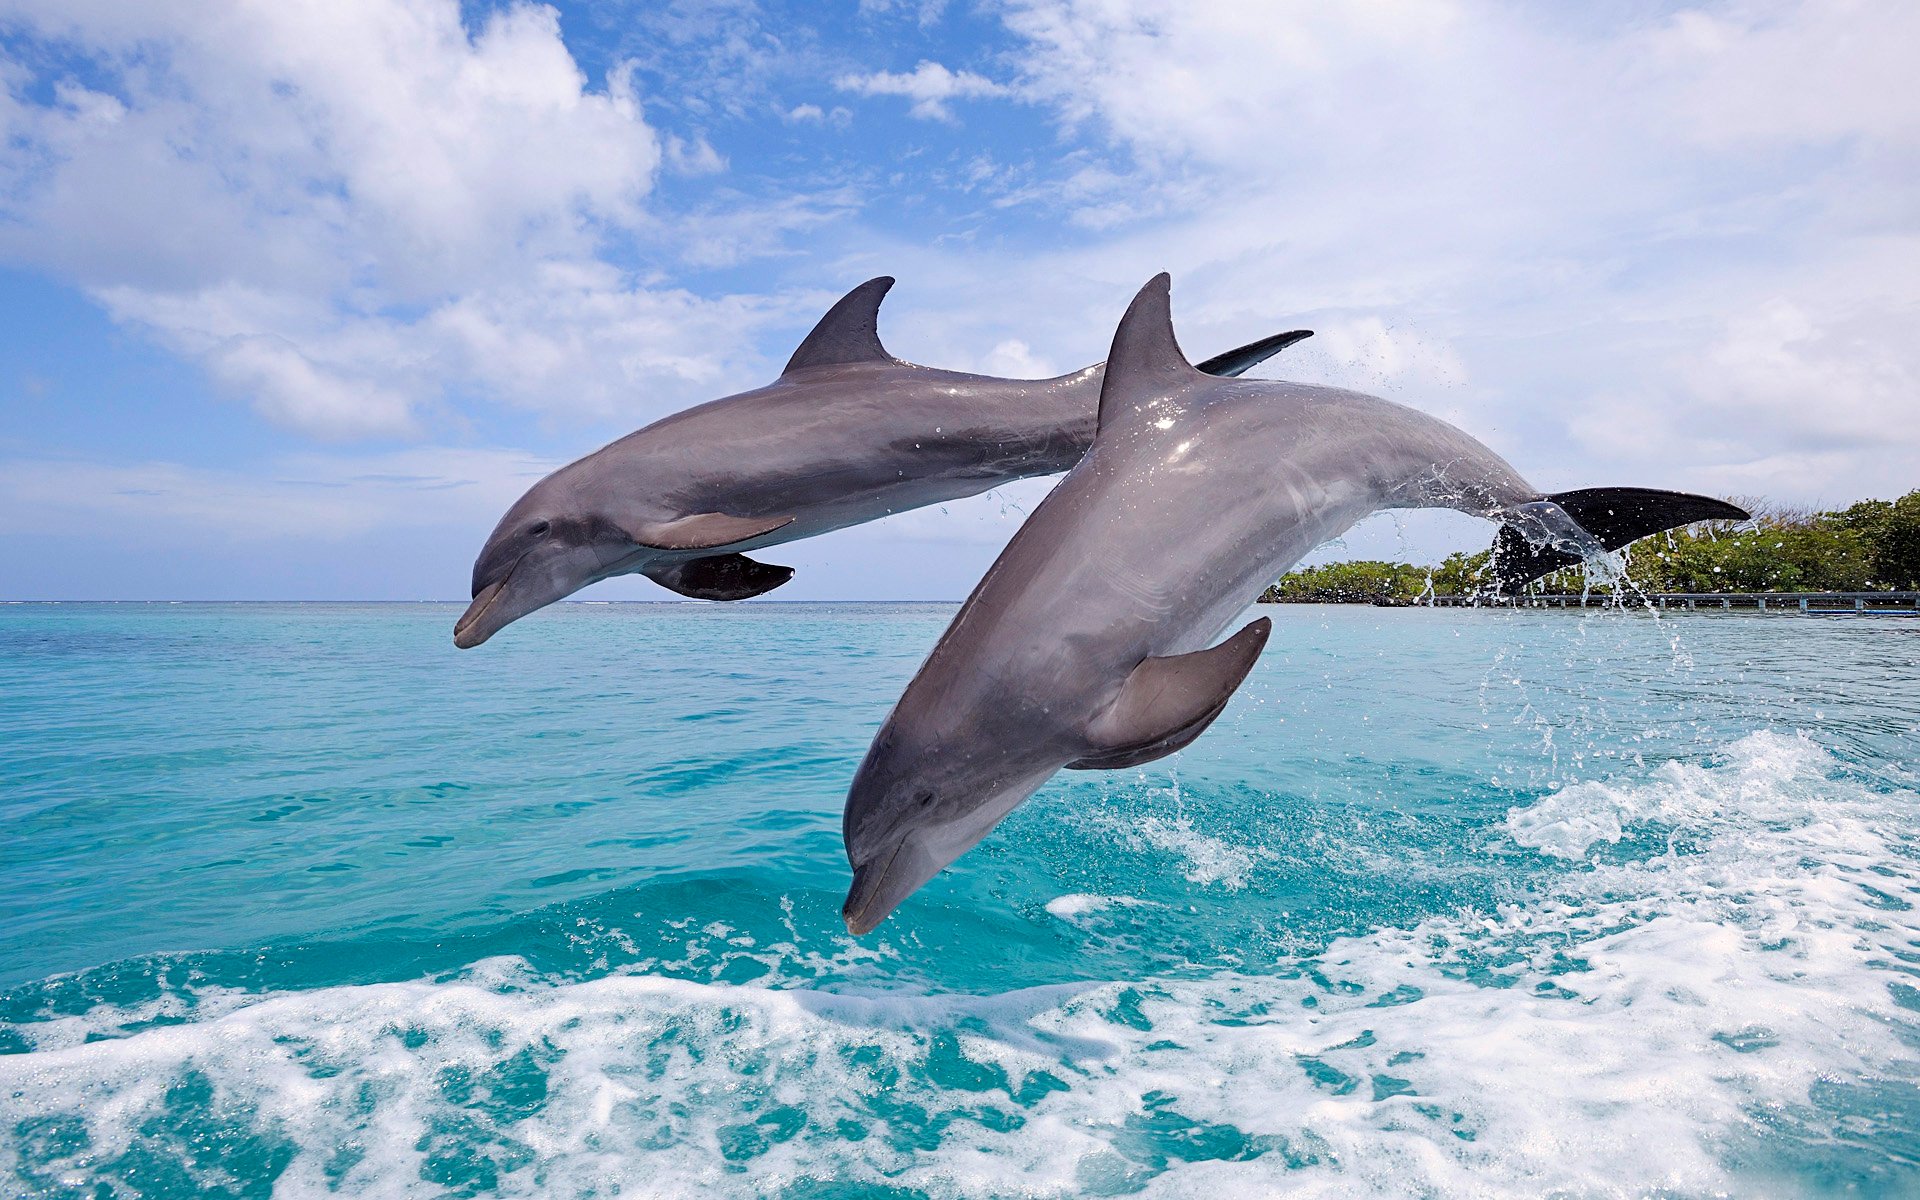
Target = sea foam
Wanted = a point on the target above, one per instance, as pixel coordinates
(1737, 966)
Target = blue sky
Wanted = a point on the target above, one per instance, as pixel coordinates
(299, 296)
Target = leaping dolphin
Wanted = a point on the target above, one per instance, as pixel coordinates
(847, 434)
(1084, 646)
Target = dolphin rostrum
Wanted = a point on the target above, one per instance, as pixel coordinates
(1086, 644)
(847, 434)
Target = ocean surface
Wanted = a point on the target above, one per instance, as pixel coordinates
(297, 900)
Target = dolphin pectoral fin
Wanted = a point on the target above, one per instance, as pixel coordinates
(1241, 359)
(1133, 756)
(707, 531)
(1167, 702)
(1614, 517)
(720, 577)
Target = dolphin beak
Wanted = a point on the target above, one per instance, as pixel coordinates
(468, 631)
(875, 893)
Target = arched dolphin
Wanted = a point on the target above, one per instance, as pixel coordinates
(1085, 644)
(847, 434)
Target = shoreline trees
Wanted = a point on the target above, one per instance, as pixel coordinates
(1873, 545)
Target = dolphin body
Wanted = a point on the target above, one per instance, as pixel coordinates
(1085, 645)
(847, 434)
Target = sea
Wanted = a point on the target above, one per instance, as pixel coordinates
(298, 900)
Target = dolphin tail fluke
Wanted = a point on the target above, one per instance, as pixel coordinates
(720, 577)
(1167, 702)
(1613, 517)
(1241, 359)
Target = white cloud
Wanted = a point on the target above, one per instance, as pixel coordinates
(315, 201)
(377, 127)
(287, 386)
(930, 86)
(1677, 251)
(926, 12)
(696, 157)
(839, 116)
(1015, 359)
(1767, 73)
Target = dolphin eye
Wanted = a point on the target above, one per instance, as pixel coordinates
(923, 798)
(539, 529)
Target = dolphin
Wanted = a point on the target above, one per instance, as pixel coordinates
(847, 434)
(1086, 644)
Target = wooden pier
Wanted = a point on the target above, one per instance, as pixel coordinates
(1904, 604)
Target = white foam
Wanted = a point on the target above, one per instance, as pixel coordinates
(1077, 906)
(1204, 859)
(1626, 1030)
(1201, 857)
(1765, 774)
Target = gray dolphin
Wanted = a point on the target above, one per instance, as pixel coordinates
(847, 434)
(1085, 645)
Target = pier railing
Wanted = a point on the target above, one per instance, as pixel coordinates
(1786, 602)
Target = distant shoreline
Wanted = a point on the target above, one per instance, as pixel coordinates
(1881, 602)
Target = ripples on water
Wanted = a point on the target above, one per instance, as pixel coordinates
(300, 900)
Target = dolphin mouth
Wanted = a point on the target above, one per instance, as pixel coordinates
(865, 908)
(467, 631)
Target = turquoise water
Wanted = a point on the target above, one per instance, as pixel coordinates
(299, 900)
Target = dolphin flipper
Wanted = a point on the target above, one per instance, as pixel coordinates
(1167, 702)
(1615, 517)
(720, 577)
(707, 531)
(1242, 359)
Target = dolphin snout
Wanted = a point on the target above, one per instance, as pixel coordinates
(469, 631)
(879, 885)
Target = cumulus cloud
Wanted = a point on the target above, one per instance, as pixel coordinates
(930, 86)
(1575, 236)
(333, 207)
(379, 128)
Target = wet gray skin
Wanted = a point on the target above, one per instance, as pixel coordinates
(847, 434)
(1085, 645)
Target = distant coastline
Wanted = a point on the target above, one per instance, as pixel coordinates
(1869, 547)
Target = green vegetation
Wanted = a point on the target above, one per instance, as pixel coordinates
(1362, 582)
(1871, 546)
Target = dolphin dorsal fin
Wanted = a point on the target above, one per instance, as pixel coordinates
(849, 333)
(1146, 362)
(1167, 702)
